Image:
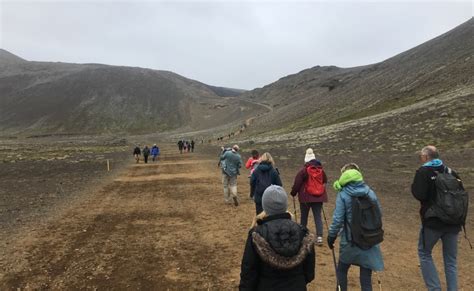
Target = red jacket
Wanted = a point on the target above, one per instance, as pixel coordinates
(300, 181)
(250, 164)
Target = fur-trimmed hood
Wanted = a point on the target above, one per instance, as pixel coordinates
(282, 243)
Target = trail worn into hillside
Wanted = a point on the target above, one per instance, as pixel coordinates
(164, 226)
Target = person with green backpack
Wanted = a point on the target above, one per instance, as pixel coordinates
(358, 219)
(443, 211)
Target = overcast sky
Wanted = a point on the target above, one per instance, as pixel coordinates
(240, 44)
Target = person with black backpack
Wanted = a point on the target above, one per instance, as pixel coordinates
(310, 185)
(264, 175)
(358, 218)
(444, 204)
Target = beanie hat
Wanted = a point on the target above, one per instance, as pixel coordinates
(274, 200)
(309, 155)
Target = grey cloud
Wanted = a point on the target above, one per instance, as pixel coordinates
(236, 44)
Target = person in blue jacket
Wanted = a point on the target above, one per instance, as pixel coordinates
(351, 184)
(155, 152)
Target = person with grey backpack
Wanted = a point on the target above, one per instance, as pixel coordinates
(443, 211)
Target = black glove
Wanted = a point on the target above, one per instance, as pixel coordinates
(331, 240)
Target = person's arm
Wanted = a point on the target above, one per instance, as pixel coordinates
(253, 182)
(309, 266)
(421, 185)
(224, 155)
(325, 178)
(338, 216)
(249, 267)
(276, 178)
(297, 183)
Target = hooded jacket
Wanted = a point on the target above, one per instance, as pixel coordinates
(155, 151)
(348, 253)
(258, 177)
(300, 184)
(279, 255)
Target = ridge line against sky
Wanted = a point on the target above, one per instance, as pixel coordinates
(239, 44)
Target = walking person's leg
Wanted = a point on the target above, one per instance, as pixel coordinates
(316, 209)
(342, 269)
(365, 278)
(450, 251)
(304, 209)
(233, 189)
(428, 239)
(225, 183)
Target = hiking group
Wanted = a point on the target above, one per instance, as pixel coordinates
(186, 146)
(279, 253)
(146, 152)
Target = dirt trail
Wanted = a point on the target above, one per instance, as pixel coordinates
(160, 226)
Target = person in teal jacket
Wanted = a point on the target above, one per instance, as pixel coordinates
(230, 162)
(351, 184)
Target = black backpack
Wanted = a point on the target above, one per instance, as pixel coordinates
(366, 225)
(451, 201)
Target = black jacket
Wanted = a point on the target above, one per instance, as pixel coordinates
(263, 174)
(137, 151)
(423, 189)
(279, 255)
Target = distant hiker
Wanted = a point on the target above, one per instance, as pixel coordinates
(146, 153)
(443, 212)
(137, 153)
(192, 146)
(155, 152)
(252, 162)
(279, 253)
(231, 162)
(264, 176)
(310, 185)
(180, 146)
(358, 219)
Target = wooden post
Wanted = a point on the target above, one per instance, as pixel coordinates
(108, 165)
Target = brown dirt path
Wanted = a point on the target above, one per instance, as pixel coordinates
(164, 226)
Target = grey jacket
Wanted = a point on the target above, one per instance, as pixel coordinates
(231, 162)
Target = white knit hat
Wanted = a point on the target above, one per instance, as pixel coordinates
(309, 155)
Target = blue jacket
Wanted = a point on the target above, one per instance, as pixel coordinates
(155, 151)
(231, 162)
(349, 254)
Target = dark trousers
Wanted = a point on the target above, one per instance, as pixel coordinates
(316, 209)
(258, 208)
(365, 277)
(145, 157)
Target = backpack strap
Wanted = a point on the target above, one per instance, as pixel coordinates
(349, 239)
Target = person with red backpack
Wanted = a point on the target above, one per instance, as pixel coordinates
(310, 185)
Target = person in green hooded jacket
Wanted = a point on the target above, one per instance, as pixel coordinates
(351, 184)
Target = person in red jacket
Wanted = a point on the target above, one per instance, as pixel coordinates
(252, 162)
(313, 201)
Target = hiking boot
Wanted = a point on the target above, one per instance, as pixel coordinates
(319, 240)
(236, 202)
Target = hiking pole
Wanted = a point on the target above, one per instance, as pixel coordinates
(294, 207)
(378, 280)
(332, 250)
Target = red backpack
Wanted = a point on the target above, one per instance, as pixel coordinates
(314, 184)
